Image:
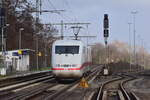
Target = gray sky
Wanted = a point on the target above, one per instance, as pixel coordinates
(93, 10)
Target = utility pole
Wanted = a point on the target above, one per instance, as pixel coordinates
(134, 35)
(130, 59)
(20, 36)
(2, 25)
(87, 26)
(138, 55)
(36, 30)
(39, 11)
(37, 51)
(62, 28)
(3, 34)
(142, 58)
(143, 54)
(45, 50)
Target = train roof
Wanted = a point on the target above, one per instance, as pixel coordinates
(68, 42)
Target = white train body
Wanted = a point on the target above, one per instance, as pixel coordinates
(70, 59)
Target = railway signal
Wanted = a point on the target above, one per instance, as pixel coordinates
(106, 28)
(106, 21)
(106, 35)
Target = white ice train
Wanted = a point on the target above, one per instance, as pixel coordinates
(70, 59)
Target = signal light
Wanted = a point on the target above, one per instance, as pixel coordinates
(106, 33)
(106, 21)
(106, 26)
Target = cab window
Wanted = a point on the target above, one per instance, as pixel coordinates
(67, 49)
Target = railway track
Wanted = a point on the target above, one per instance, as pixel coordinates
(61, 95)
(46, 88)
(12, 89)
(47, 91)
(31, 90)
(114, 90)
(22, 78)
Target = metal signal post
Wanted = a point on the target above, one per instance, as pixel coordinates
(106, 28)
(106, 35)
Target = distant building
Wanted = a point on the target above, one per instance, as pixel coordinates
(18, 60)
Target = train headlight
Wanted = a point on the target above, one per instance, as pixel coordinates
(58, 65)
(66, 65)
(73, 65)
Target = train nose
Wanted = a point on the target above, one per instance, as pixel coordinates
(68, 74)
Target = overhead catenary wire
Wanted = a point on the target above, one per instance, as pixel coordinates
(66, 3)
(51, 4)
(65, 17)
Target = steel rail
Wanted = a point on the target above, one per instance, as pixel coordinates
(21, 81)
(21, 78)
(100, 90)
(128, 95)
(53, 96)
(36, 91)
(8, 90)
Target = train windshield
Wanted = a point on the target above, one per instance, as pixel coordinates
(67, 49)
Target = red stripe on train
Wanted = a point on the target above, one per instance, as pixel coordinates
(58, 69)
(83, 65)
(65, 68)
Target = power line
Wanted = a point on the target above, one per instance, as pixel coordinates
(61, 15)
(51, 4)
(62, 25)
(67, 4)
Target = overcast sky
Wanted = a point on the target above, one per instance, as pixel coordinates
(92, 11)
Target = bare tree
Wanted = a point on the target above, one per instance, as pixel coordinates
(119, 52)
